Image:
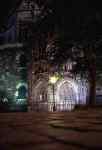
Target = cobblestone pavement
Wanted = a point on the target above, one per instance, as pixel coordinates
(77, 130)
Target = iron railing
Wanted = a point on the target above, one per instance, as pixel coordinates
(51, 106)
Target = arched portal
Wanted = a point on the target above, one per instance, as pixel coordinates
(66, 94)
(61, 96)
(40, 101)
(66, 97)
(21, 93)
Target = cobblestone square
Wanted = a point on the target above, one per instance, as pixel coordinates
(77, 130)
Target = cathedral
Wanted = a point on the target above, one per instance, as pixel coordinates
(28, 82)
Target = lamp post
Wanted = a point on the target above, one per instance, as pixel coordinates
(53, 80)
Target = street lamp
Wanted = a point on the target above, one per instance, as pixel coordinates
(53, 80)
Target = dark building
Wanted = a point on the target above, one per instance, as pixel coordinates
(27, 80)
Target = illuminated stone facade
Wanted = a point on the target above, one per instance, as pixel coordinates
(25, 70)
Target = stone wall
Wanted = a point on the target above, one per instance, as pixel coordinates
(13, 73)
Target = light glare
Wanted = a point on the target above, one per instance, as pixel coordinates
(53, 79)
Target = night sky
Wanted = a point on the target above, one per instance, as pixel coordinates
(78, 12)
(7, 8)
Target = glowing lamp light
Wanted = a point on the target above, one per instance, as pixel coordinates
(53, 79)
(16, 93)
